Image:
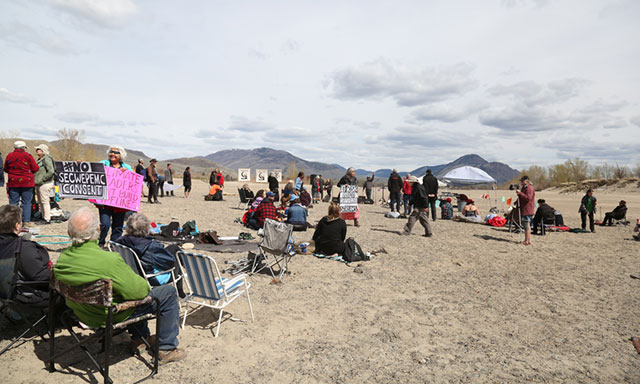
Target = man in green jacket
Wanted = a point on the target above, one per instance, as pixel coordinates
(84, 262)
(43, 180)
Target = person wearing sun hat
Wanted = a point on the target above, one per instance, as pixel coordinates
(20, 167)
(44, 180)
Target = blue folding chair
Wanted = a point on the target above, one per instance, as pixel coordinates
(208, 287)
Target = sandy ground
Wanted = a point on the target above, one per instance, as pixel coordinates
(467, 305)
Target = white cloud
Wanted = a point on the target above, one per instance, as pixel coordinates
(406, 86)
(27, 38)
(98, 121)
(12, 97)
(105, 13)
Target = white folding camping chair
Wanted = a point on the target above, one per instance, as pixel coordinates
(209, 288)
(276, 248)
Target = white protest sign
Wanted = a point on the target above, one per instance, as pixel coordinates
(244, 174)
(261, 175)
(348, 198)
(277, 173)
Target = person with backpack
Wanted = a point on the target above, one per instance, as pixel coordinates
(394, 185)
(331, 233)
(43, 180)
(588, 208)
(430, 184)
(420, 202)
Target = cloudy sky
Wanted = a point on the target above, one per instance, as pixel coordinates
(371, 84)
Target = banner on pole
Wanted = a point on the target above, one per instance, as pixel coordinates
(125, 189)
(244, 174)
(82, 180)
(348, 198)
(261, 175)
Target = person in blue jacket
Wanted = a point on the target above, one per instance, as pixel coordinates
(112, 217)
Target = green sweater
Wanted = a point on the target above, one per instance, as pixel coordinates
(81, 264)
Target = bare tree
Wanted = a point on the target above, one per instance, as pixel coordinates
(6, 140)
(292, 170)
(621, 171)
(636, 170)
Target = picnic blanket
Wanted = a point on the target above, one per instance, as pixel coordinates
(336, 258)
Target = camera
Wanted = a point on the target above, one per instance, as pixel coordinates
(514, 187)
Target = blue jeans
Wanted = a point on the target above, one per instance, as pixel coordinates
(395, 197)
(113, 220)
(24, 194)
(169, 317)
(405, 201)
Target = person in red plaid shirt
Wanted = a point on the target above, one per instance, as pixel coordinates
(266, 210)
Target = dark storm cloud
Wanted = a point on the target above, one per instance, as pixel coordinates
(406, 86)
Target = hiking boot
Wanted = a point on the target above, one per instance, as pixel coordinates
(137, 345)
(172, 355)
(428, 234)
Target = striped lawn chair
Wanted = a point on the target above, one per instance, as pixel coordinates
(209, 288)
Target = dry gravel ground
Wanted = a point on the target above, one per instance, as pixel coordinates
(467, 305)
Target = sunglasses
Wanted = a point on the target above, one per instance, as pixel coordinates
(114, 152)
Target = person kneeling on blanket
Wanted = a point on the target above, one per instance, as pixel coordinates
(331, 233)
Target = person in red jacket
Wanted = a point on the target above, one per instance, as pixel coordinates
(21, 166)
(526, 204)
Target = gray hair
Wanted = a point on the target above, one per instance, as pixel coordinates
(123, 152)
(83, 226)
(395, 170)
(138, 225)
(351, 169)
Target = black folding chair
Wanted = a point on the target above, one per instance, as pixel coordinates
(10, 306)
(98, 293)
(244, 200)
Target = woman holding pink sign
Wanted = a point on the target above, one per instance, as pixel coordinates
(112, 217)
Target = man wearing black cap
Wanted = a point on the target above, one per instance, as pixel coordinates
(152, 182)
(544, 214)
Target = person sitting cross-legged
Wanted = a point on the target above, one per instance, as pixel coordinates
(330, 233)
(84, 262)
(266, 210)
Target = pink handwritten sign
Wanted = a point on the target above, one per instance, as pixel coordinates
(124, 189)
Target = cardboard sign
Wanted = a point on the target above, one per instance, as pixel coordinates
(244, 174)
(277, 173)
(261, 175)
(82, 180)
(125, 189)
(348, 198)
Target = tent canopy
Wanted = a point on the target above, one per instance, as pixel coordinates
(468, 175)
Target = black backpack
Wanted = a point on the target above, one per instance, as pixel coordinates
(353, 252)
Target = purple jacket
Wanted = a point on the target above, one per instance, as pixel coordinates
(527, 199)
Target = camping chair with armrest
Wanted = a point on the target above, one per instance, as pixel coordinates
(9, 282)
(244, 200)
(98, 293)
(275, 248)
(209, 289)
(133, 260)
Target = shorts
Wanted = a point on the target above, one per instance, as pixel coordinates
(187, 188)
(526, 221)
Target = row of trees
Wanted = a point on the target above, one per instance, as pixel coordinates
(577, 170)
(68, 146)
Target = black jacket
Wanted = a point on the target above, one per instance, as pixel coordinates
(619, 212)
(347, 180)
(430, 184)
(1, 171)
(545, 212)
(273, 184)
(33, 265)
(419, 198)
(329, 236)
(394, 184)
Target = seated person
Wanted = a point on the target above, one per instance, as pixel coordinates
(33, 264)
(215, 192)
(470, 209)
(84, 262)
(462, 201)
(331, 232)
(288, 189)
(266, 210)
(446, 209)
(618, 213)
(305, 197)
(286, 199)
(258, 199)
(545, 214)
(248, 193)
(297, 215)
(153, 255)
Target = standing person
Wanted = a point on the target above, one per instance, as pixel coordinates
(299, 181)
(527, 204)
(213, 178)
(141, 170)
(420, 203)
(328, 186)
(274, 186)
(394, 185)
(321, 182)
(350, 179)
(21, 166)
(161, 184)
(1, 171)
(186, 182)
(430, 184)
(44, 180)
(406, 195)
(220, 179)
(168, 177)
(152, 182)
(588, 208)
(368, 185)
(112, 217)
